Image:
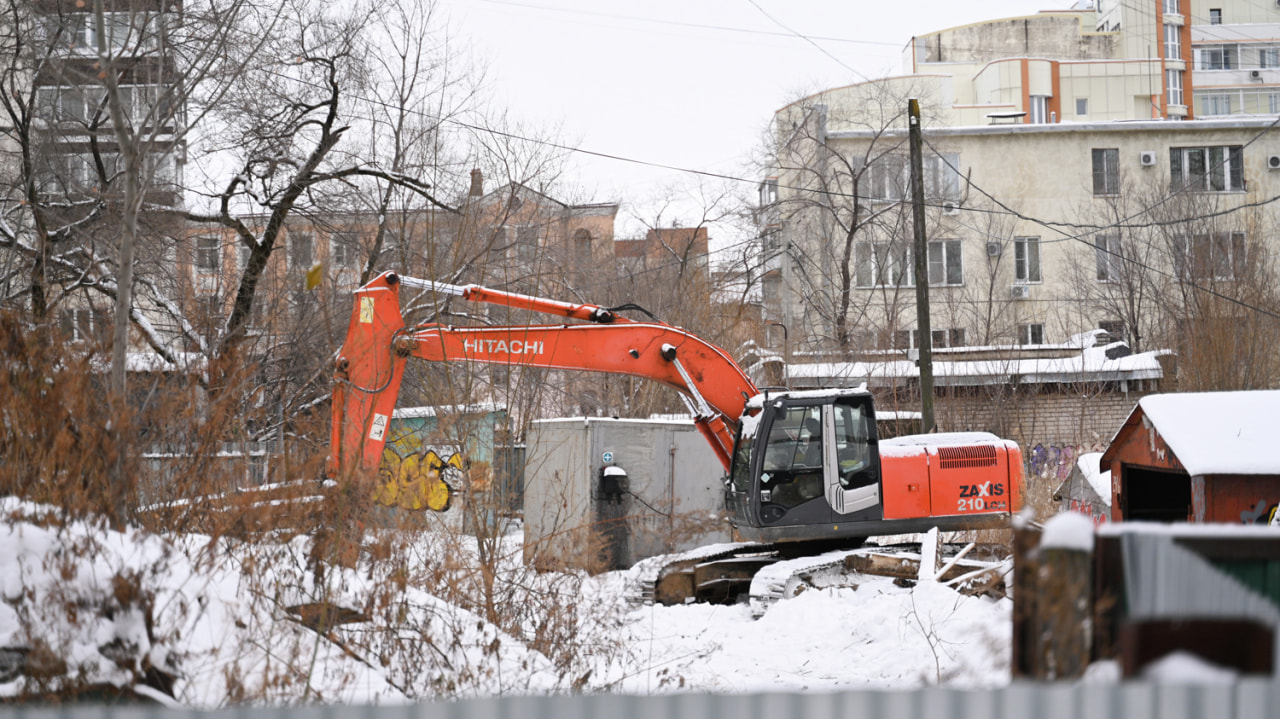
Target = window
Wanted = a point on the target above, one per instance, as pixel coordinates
(942, 176)
(84, 324)
(886, 178)
(1039, 109)
(793, 457)
(1026, 259)
(582, 248)
(1082, 106)
(1106, 171)
(1207, 169)
(891, 264)
(880, 264)
(1216, 105)
(889, 177)
(1218, 57)
(301, 251)
(945, 266)
(769, 192)
(910, 339)
(1031, 334)
(1173, 82)
(526, 248)
(208, 254)
(1172, 42)
(1269, 57)
(344, 250)
(1107, 256)
(1171, 7)
(1218, 256)
(1215, 16)
(1115, 328)
(1273, 101)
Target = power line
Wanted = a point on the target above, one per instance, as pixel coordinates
(678, 23)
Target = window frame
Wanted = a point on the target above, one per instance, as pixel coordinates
(1027, 266)
(296, 240)
(1106, 167)
(1031, 334)
(1229, 158)
(207, 260)
(1204, 251)
(949, 262)
(343, 250)
(1172, 42)
(1107, 257)
(1173, 84)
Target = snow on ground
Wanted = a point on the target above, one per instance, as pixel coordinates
(213, 614)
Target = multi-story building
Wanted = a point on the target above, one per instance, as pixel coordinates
(72, 144)
(1077, 174)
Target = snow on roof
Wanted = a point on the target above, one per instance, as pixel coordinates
(418, 412)
(1090, 363)
(1218, 432)
(1099, 481)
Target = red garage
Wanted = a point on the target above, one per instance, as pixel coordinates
(1198, 457)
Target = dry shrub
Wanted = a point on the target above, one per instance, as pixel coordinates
(54, 422)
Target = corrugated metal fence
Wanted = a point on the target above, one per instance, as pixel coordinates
(1246, 699)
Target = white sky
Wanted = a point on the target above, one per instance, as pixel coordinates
(686, 83)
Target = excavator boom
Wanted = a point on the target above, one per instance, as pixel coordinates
(370, 366)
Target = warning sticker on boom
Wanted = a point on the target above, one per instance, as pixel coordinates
(379, 428)
(366, 310)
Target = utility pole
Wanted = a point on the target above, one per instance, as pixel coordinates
(922, 267)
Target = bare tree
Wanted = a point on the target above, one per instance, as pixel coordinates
(844, 208)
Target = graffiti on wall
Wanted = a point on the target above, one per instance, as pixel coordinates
(1054, 465)
(419, 479)
(1262, 513)
(1056, 462)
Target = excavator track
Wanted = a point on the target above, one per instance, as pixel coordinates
(714, 573)
(762, 575)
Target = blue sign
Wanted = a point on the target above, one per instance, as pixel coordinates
(608, 457)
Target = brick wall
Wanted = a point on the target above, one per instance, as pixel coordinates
(1032, 417)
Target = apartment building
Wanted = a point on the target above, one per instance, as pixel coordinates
(69, 139)
(1079, 176)
(1052, 142)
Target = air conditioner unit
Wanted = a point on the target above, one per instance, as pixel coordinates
(1273, 162)
(995, 249)
(1019, 292)
(1255, 74)
(1147, 158)
(951, 208)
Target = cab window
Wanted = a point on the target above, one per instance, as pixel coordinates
(792, 467)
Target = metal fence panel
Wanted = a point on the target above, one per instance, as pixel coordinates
(1246, 699)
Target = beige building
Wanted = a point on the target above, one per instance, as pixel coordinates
(1078, 174)
(1055, 178)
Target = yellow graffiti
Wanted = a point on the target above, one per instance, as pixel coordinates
(415, 482)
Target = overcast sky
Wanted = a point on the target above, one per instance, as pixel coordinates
(686, 83)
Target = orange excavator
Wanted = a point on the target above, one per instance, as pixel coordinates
(802, 466)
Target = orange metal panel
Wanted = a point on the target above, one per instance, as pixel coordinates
(905, 481)
(969, 480)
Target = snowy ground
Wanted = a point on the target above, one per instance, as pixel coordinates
(84, 604)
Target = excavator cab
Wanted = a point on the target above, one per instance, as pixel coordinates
(803, 465)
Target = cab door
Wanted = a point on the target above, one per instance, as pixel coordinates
(852, 456)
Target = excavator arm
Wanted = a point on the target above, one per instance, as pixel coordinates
(370, 366)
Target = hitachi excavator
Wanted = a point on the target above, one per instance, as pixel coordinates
(802, 466)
